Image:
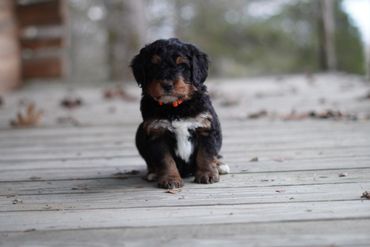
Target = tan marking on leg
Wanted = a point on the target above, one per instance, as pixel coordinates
(207, 172)
(169, 177)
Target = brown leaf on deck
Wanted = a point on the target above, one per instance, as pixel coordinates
(259, 114)
(228, 102)
(71, 102)
(254, 159)
(125, 174)
(295, 116)
(365, 195)
(118, 92)
(326, 114)
(279, 191)
(30, 117)
(172, 191)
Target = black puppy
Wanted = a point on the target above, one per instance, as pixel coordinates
(180, 133)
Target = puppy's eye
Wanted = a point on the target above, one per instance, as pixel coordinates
(156, 59)
(182, 60)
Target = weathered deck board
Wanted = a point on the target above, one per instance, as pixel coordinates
(58, 184)
(135, 183)
(317, 233)
(182, 215)
(81, 198)
(106, 168)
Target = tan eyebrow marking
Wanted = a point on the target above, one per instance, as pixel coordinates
(180, 60)
(156, 59)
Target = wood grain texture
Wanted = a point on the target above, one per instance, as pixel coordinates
(38, 14)
(50, 67)
(305, 233)
(37, 44)
(61, 184)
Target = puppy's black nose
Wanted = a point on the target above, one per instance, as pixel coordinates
(167, 85)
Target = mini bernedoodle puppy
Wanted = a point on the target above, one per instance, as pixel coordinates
(180, 134)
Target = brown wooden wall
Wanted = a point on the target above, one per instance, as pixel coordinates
(9, 51)
(32, 41)
(41, 28)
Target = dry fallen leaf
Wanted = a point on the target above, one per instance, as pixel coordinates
(327, 114)
(125, 174)
(71, 102)
(118, 92)
(295, 116)
(279, 191)
(172, 191)
(227, 102)
(30, 117)
(254, 159)
(365, 195)
(259, 114)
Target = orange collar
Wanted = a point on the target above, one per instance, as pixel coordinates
(174, 104)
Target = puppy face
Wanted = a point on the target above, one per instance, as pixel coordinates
(170, 70)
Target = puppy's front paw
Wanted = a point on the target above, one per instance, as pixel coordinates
(170, 182)
(207, 177)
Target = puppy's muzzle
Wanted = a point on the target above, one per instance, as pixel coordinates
(167, 85)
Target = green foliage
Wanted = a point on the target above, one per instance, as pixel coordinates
(241, 42)
(349, 48)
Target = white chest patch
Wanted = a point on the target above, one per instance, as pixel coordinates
(181, 128)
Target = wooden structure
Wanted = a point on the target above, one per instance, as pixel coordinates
(33, 37)
(9, 50)
(42, 35)
(73, 179)
(328, 58)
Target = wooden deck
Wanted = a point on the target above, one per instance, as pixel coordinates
(72, 180)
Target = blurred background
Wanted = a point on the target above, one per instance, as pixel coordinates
(93, 41)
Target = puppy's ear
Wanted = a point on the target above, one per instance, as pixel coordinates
(138, 68)
(199, 65)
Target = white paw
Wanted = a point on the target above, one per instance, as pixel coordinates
(223, 169)
(151, 177)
